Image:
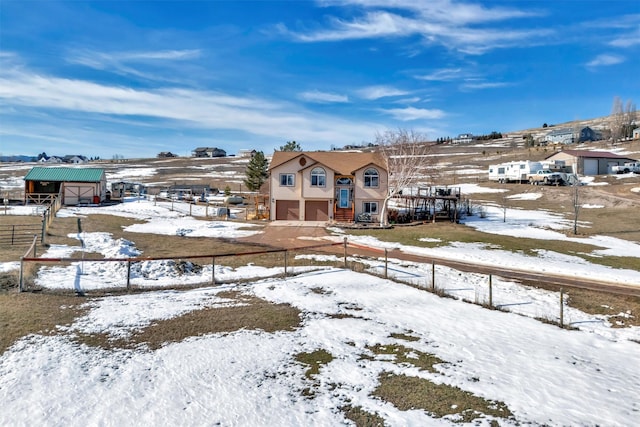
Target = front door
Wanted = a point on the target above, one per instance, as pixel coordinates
(343, 198)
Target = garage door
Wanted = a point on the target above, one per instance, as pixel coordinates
(316, 211)
(76, 194)
(287, 210)
(591, 166)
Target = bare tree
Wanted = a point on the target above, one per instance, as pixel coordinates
(629, 118)
(406, 155)
(621, 119)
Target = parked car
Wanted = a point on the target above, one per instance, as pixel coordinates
(546, 177)
(626, 168)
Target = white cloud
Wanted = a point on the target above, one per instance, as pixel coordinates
(411, 113)
(475, 85)
(444, 22)
(323, 97)
(377, 92)
(605, 60)
(196, 109)
(442, 75)
(627, 40)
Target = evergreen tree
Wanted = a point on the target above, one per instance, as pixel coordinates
(291, 146)
(256, 172)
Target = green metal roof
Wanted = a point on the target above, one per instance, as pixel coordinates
(65, 174)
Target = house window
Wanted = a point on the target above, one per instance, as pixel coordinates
(370, 207)
(318, 177)
(286, 180)
(344, 181)
(371, 178)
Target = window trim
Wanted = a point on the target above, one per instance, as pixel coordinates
(284, 180)
(369, 211)
(318, 173)
(371, 174)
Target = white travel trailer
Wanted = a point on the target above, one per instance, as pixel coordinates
(497, 173)
(514, 171)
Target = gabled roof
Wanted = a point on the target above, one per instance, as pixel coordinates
(592, 154)
(561, 131)
(343, 163)
(65, 174)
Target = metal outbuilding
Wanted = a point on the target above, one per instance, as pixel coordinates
(587, 162)
(75, 185)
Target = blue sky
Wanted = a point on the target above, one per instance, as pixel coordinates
(133, 78)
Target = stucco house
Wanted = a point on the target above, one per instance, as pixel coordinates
(586, 162)
(326, 185)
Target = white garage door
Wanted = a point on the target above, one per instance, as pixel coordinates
(591, 166)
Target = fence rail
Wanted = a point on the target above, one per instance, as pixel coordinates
(18, 234)
(133, 260)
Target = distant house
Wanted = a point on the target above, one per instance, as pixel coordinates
(560, 136)
(326, 185)
(74, 159)
(588, 134)
(569, 136)
(166, 154)
(636, 133)
(51, 160)
(586, 162)
(246, 153)
(75, 185)
(209, 152)
(463, 138)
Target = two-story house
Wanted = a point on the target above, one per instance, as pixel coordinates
(326, 185)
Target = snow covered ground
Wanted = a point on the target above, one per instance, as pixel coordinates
(545, 375)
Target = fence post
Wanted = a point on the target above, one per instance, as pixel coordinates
(490, 291)
(190, 207)
(286, 262)
(433, 275)
(44, 229)
(213, 270)
(561, 308)
(345, 252)
(128, 275)
(386, 263)
(13, 233)
(20, 283)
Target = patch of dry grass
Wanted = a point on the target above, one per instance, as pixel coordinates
(15, 252)
(362, 418)
(254, 313)
(22, 314)
(407, 356)
(410, 393)
(314, 360)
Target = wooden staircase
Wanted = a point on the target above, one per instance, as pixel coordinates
(343, 215)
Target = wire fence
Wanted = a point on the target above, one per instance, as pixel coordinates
(85, 275)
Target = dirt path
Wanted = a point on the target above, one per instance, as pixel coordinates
(298, 234)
